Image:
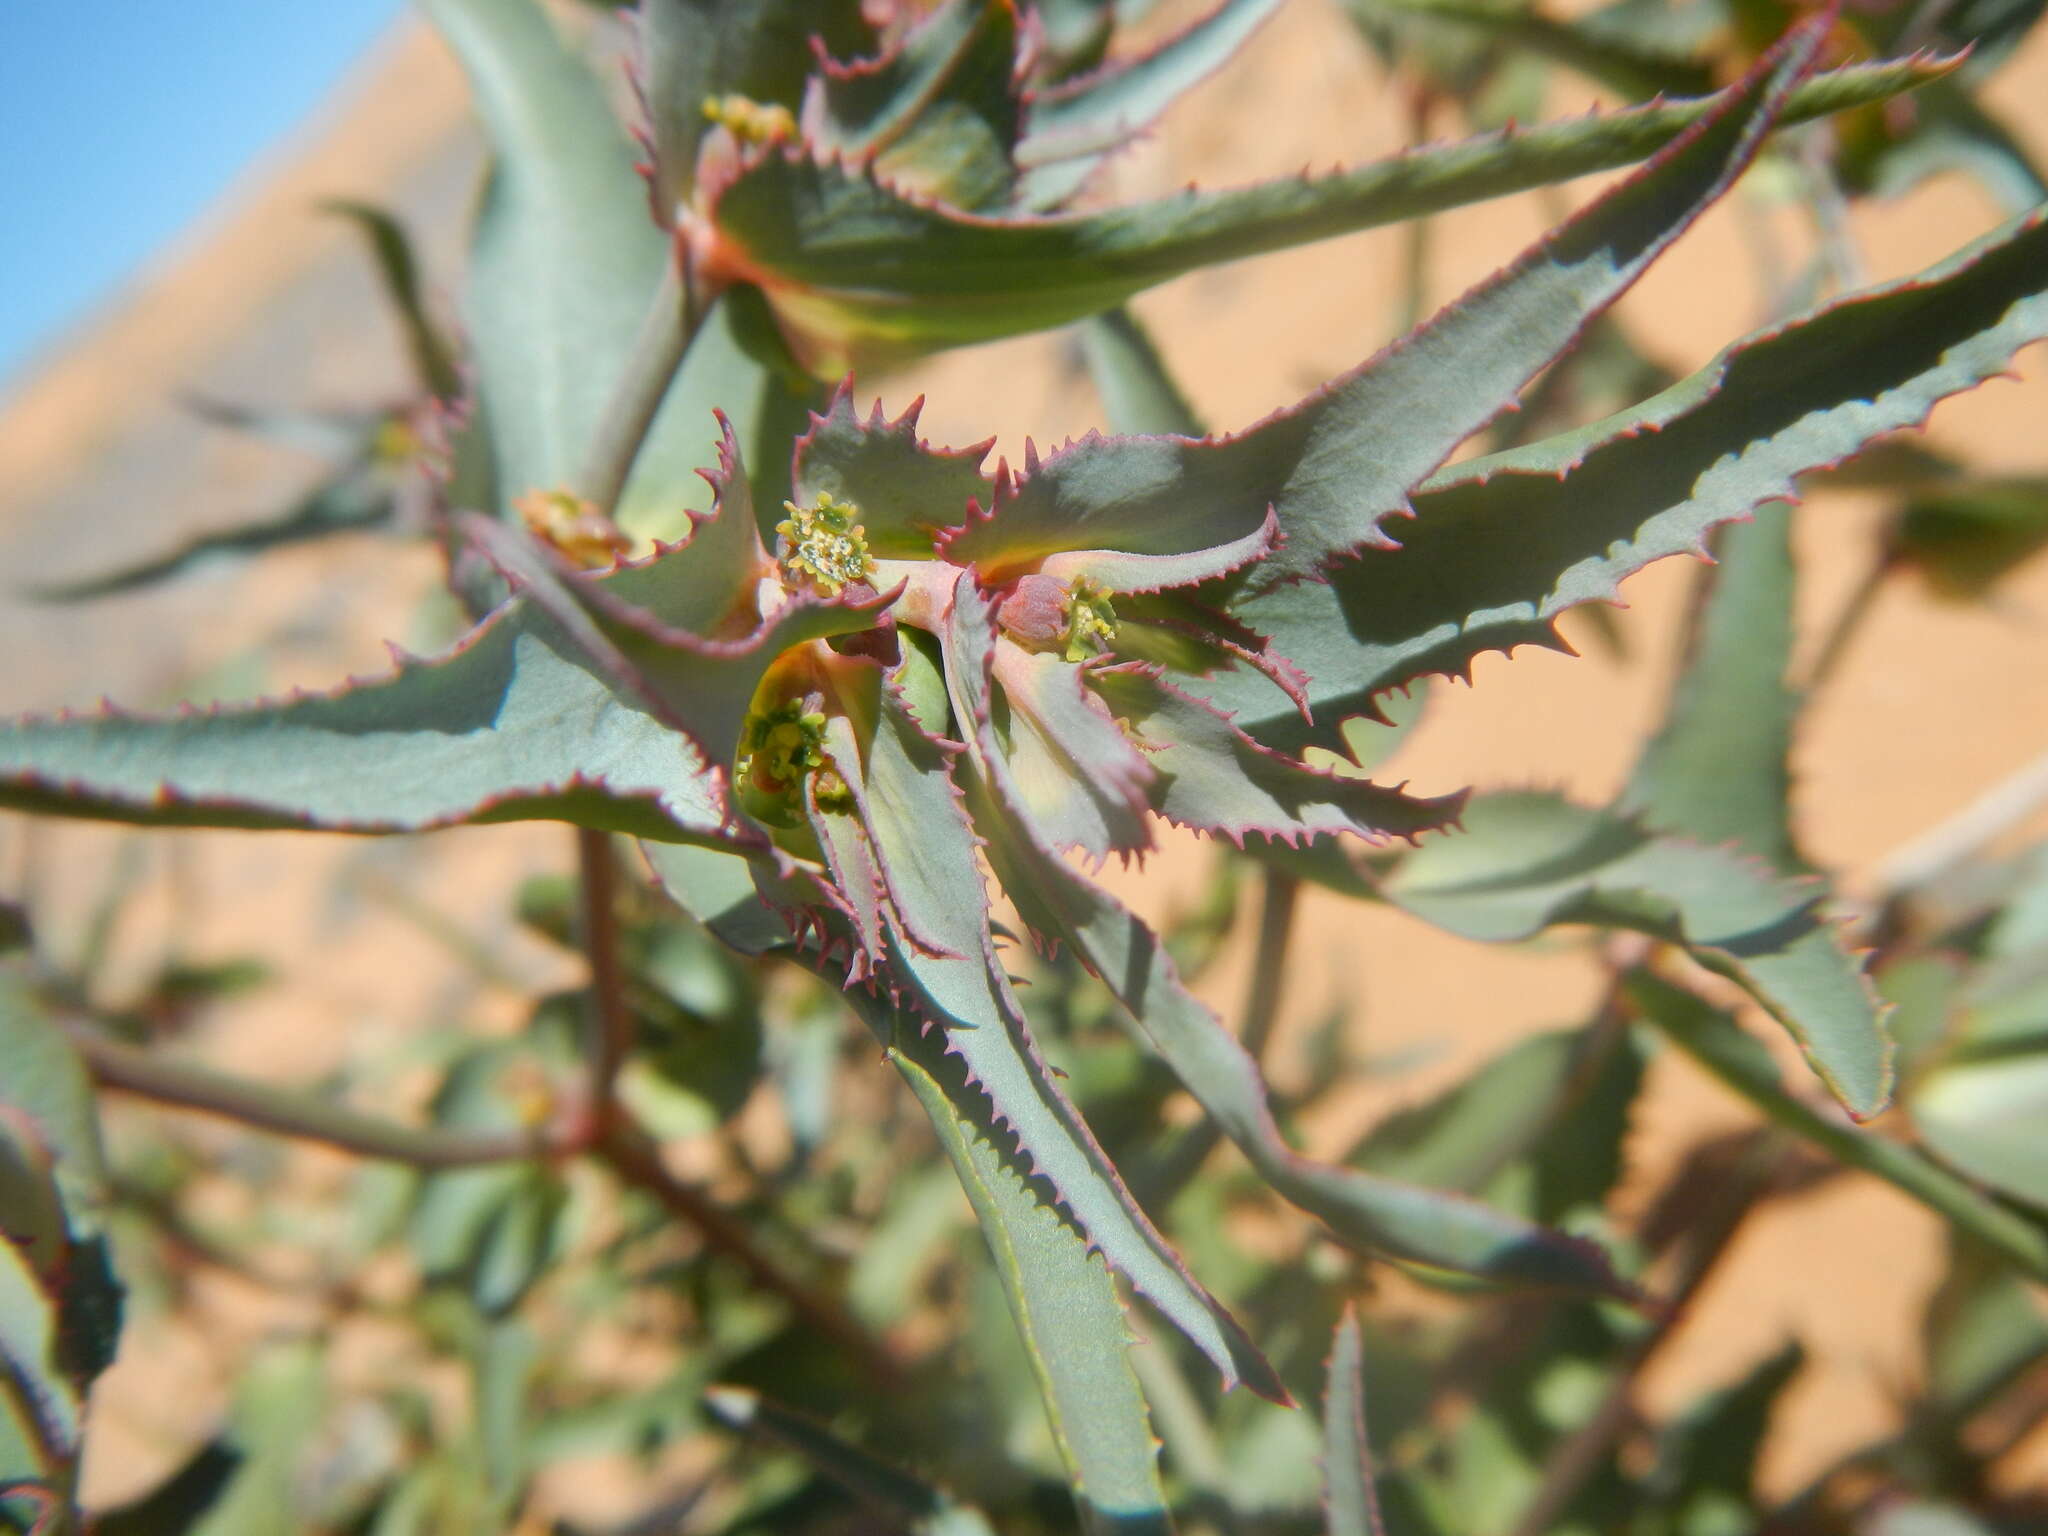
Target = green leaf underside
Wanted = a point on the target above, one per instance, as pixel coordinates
(960, 986)
(847, 257)
(1718, 768)
(1350, 1501)
(1500, 546)
(1425, 1226)
(1527, 861)
(1072, 125)
(1063, 1299)
(1332, 468)
(1713, 1039)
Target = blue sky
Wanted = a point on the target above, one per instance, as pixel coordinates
(122, 121)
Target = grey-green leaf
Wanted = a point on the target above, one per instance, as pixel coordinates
(1527, 861)
(1062, 1297)
(1718, 768)
(1713, 1039)
(853, 264)
(1582, 510)
(1350, 1500)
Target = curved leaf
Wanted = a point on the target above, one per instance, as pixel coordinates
(1071, 126)
(1527, 861)
(1501, 546)
(1425, 1226)
(1713, 1039)
(698, 50)
(360, 497)
(1063, 1300)
(565, 265)
(850, 262)
(566, 258)
(1335, 467)
(433, 358)
(921, 828)
(519, 722)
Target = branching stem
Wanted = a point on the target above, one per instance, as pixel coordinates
(610, 1021)
(302, 1116)
(635, 1159)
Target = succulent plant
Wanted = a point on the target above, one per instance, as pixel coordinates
(874, 666)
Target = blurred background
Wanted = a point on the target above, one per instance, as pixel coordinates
(170, 247)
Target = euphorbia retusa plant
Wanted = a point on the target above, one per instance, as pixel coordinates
(874, 666)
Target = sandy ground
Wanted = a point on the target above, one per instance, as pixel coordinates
(96, 460)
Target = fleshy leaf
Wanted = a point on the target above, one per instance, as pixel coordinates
(565, 259)
(1079, 777)
(1714, 1039)
(850, 263)
(517, 722)
(1587, 508)
(1425, 1226)
(936, 115)
(1351, 1504)
(1984, 1116)
(961, 988)
(1213, 777)
(1071, 126)
(1063, 1299)
(1555, 1104)
(1718, 768)
(1337, 465)
(1527, 861)
(565, 267)
(1981, 1331)
(40, 1407)
(906, 489)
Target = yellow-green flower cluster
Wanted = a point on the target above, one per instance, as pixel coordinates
(823, 546)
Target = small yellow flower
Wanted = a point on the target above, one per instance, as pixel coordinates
(574, 526)
(823, 546)
(1091, 621)
(750, 121)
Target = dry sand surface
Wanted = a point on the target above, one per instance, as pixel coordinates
(1940, 702)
